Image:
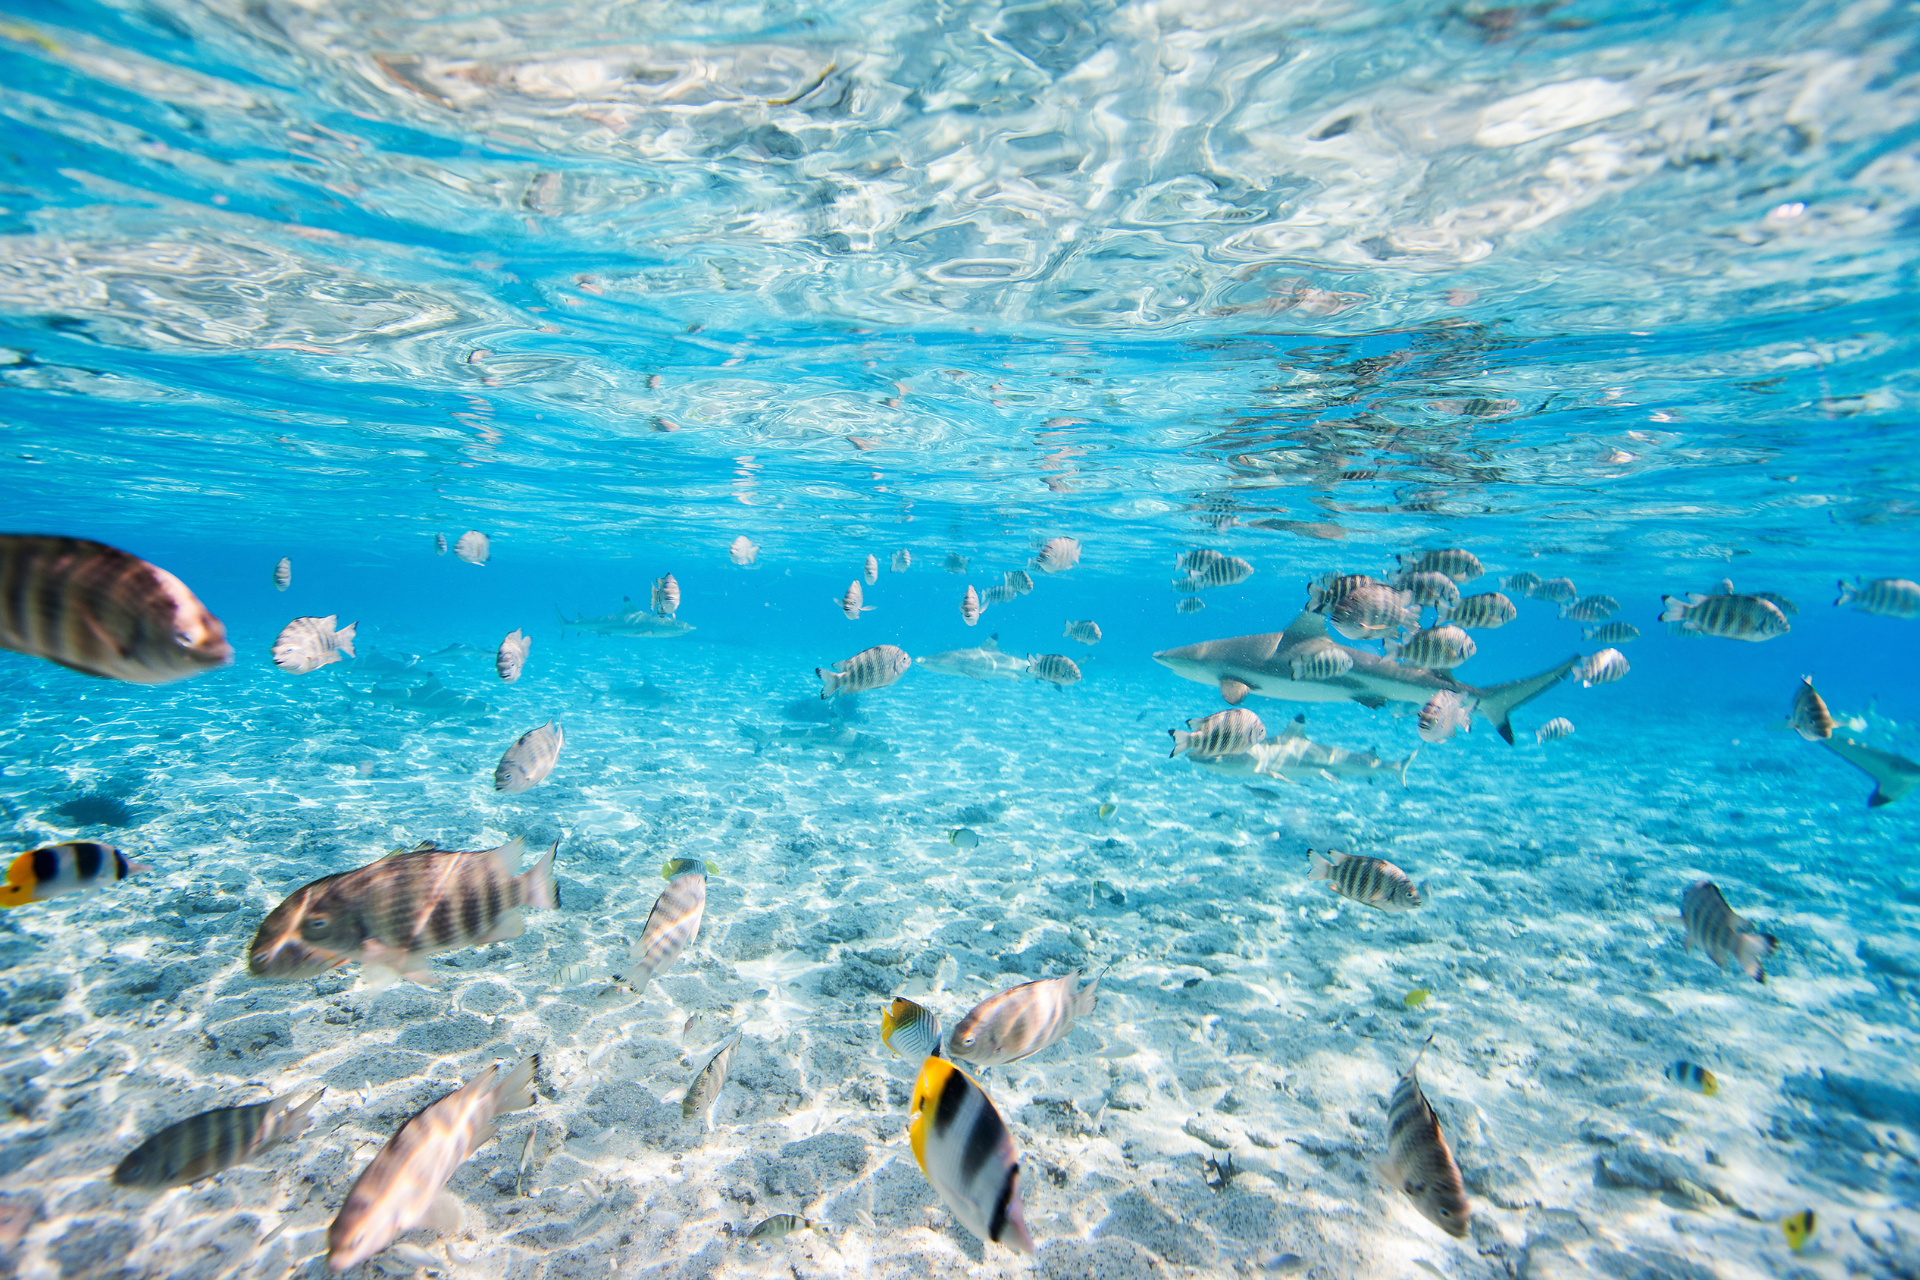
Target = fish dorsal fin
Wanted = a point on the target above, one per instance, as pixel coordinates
(1308, 626)
(992, 644)
(425, 846)
(1725, 588)
(1296, 728)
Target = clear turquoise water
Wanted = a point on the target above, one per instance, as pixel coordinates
(1621, 293)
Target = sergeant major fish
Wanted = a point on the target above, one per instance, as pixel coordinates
(901, 562)
(405, 1184)
(1224, 572)
(999, 593)
(1371, 612)
(1439, 648)
(1054, 668)
(703, 1095)
(743, 552)
(1809, 716)
(1612, 633)
(1556, 591)
(1731, 617)
(1443, 715)
(97, 610)
(1019, 581)
(1888, 597)
(202, 1145)
(1483, 612)
(1419, 1162)
(439, 544)
(57, 869)
(910, 1030)
(1084, 632)
(1192, 604)
(1021, 1021)
(393, 914)
(1331, 588)
(967, 1153)
(1325, 661)
(1373, 882)
(671, 925)
(1591, 609)
(852, 603)
(1459, 565)
(1603, 667)
(1554, 730)
(1435, 589)
(1235, 731)
(871, 570)
(970, 608)
(666, 596)
(874, 668)
(1523, 582)
(1726, 937)
(474, 547)
(283, 574)
(530, 759)
(308, 644)
(1057, 555)
(512, 655)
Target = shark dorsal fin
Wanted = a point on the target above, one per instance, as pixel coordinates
(1308, 626)
(1296, 728)
(992, 643)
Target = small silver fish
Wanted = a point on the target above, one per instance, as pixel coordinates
(1731, 617)
(666, 596)
(1590, 609)
(1020, 580)
(474, 547)
(1435, 649)
(1483, 612)
(704, 1093)
(1375, 882)
(202, 1145)
(1054, 668)
(970, 606)
(439, 544)
(530, 759)
(308, 644)
(1556, 591)
(998, 594)
(1554, 730)
(1809, 716)
(778, 1227)
(1523, 582)
(872, 570)
(1445, 714)
(1419, 1162)
(1459, 565)
(964, 838)
(1888, 597)
(1612, 633)
(1224, 733)
(512, 655)
(743, 552)
(526, 1160)
(1021, 1021)
(283, 574)
(1727, 938)
(1084, 632)
(850, 603)
(910, 1030)
(874, 668)
(1603, 667)
(1192, 604)
(901, 562)
(1058, 555)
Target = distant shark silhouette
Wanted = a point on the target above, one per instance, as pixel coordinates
(983, 663)
(1264, 665)
(632, 620)
(1893, 775)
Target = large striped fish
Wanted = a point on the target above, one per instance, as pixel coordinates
(874, 668)
(97, 610)
(211, 1141)
(1224, 733)
(967, 1153)
(1728, 615)
(1419, 1162)
(392, 914)
(1726, 937)
(671, 925)
(307, 644)
(1021, 1021)
(56, 869)
(1372, 881)
(405, 1185)
(1226, 571)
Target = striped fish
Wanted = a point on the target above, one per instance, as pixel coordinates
(1554, 730)
(1724, 936)
(1224, 733)
(853, 602)
(1731, 617)
(474, 547)
(1374, 882)
(1000, 594)
(1590, 609)
(1435, 589)
(871, 571)
(1483, 612)
(1445, 714)
(1197, 560)
(283, 574)
(1810, 717)
(1603, 667)
(1888, 597)
(967, 1153)
(56, 869)
(666, 596)
(1692, 1076)
(874, 668)
(1224, 572)
(308, 644)
(1525, 583)
(912, 1031)
(671, 925)
(1556, 591)
(901, 562)
(392, 914)
(530, 759)
(1322, 660)
(1372, 612)
(1021, 1021)
(704, 1093)
(1459, 565)
(1435, 649)
(1778, 601)
(676, 867)
(439, 544)
(1057, 555)
(1332, 588)
(1419, 1162)
(1612, 633)
(405, 1184)
(512, 655)
(1054, 668)
(778, 1227)
(956, 563)
(97, 610)
(211, 1141)
(970, 606)
(1087, 632)
(1192, 604)
(1020, 581)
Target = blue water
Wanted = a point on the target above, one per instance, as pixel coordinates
(1620, 293)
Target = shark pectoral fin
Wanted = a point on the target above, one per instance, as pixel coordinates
(1234, 691)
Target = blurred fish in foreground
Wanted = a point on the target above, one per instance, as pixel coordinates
(205, 1144)
(1809, 716)
(1021, 1021)
(308, 644)
(405, 1184)
(393, 914)
(57, 869)
(474, 547)
(1057, 555)
(1727, 938)
(97, 610)
(967, 1153)
(1443, 715)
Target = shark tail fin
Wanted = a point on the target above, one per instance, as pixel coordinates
(1497, 704)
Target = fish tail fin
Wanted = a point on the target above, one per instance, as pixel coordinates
(1400, 770)
(343, 639)
(1847, 592)
(516, 1091)
(1180, 739)
(1392, 648)
(1674, 609)
(1322, 868)
(829, 683)
(537, 880)
(1084, 998)
(1498, 703)
(1752, 949)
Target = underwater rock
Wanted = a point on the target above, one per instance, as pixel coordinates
(1131, 1216)
(1099, 1259)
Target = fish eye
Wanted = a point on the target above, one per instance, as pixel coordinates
(315, 927)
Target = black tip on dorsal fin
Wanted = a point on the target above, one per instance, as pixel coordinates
(1301, 718)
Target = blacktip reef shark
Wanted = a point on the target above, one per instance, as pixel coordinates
(1264, 665)
(632, 621)
(1893, 775)
(984, 663)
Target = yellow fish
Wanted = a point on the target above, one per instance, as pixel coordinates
(1798, 1229)
(1416, 997)
(680, 867)
(1108, 810)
